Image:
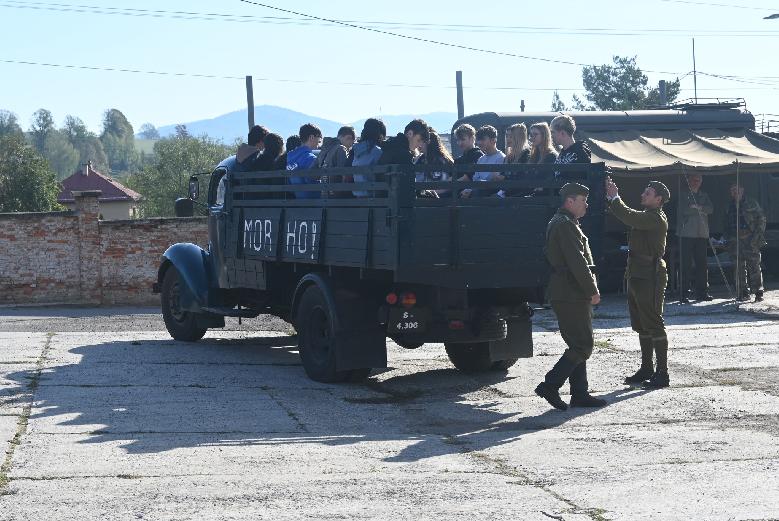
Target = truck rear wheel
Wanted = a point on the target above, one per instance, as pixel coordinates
(474, 357)
(316, 340)
(182, 325)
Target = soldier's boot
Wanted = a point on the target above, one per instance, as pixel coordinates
(646, 370)
(759, 296)
(549, 389)
(580, 394)
(660, 379)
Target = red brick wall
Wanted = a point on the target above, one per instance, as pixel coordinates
(72, 258)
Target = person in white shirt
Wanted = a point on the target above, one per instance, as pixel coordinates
(487, 140)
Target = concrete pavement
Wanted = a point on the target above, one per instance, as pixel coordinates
(103, 416)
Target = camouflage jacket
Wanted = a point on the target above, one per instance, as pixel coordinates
(752, 223)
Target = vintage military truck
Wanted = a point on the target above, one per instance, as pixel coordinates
(348, 272)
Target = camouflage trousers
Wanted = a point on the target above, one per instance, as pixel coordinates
(747, 272)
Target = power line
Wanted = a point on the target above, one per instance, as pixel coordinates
(280, 80)
(469, 28)
(710, 4)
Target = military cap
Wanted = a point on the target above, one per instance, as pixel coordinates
(661, 190)
(572, 190)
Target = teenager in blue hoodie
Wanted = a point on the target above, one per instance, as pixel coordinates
(303, 158)
(368, 151)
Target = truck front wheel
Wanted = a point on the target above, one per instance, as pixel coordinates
(182, 325)
(316, 340)
(475, 358)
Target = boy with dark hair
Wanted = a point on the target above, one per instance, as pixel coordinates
(303, 158)
(401, 149)
(339, 154)
(487, 139)
(466, 140)
(248, 153)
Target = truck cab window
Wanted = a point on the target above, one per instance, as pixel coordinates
(217, 188)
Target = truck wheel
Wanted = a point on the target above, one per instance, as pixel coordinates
(182, 325)
(408, 344)
(475, 358)
(316, 340)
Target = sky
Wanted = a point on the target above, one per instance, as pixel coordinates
(344, 73)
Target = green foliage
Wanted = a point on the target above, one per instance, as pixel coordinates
(61, 155)
(167, 177)
(27, 183)
(89, 147)
(42, 126)
(148, 131)
(557, 103)
(619, 86)
(118, 140)
(9, 125)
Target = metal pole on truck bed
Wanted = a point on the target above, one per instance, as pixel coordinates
(250, 100)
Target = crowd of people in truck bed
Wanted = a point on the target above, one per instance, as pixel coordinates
(418, 144)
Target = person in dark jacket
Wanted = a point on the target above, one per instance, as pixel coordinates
(368, 151)
(248, 153)
(273, 147)
(466, 140)
(401, 149)
(435, 154)
(563, 128)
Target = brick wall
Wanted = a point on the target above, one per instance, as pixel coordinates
(74, 258)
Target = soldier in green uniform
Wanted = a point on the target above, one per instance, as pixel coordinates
(572, 291)
(647, 277)
(746, 216)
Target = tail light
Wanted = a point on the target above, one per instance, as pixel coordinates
(408, 299)
(391, 298)
(456, 324)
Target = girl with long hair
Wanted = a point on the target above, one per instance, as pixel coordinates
(541, 148)
(517, 150)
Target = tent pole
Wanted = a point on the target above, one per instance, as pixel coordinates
(737, 271)
(678, 236)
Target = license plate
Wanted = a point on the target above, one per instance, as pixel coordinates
(405, 321)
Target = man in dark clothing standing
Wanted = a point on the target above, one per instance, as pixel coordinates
(572, 291)
(647, 277)
(466, 140)
(400, 150)
(692, 227)
(563, 128)
(248, 153)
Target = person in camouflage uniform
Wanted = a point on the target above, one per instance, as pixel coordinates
(572, 291)
(647, 277)
(745, 215)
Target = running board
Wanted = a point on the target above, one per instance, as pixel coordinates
(232, 312)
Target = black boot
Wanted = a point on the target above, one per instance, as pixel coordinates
(646, 370)
(758, 296)
(580, 393)
(659, 380)
(549, 389)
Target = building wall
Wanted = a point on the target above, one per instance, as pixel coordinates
(74, 258)
(114, 210)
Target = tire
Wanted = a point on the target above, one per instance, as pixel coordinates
(405, 344)
(475, 358)
(182, 325)
(316, 340)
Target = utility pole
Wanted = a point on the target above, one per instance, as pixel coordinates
(250, 100)
(522, 106)
(460, 103)
(694, 72)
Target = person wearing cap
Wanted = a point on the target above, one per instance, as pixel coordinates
(745, 236)
(646, 276)
(573, 290)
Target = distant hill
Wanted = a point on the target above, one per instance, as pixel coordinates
(231, 126)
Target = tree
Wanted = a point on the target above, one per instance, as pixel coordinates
(89, 147)
(557, 103)
(167, 177)
(181, 131)
(9, 125)
(149, 131)
(27, 183)
(619, 86)
(118, 140)
(42, 126)
(63, 157)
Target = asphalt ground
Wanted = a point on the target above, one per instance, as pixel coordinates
(103, 416)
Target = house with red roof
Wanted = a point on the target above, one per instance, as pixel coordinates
(116, 200)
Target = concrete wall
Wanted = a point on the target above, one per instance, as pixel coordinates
(75, 258)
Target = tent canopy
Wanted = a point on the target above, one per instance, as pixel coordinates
(674, 151)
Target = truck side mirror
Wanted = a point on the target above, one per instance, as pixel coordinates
(184, 207)
(194, 188)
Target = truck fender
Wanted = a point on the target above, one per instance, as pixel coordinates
(191, 261)
(326, 285)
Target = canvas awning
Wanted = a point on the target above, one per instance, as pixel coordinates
(676, 151)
